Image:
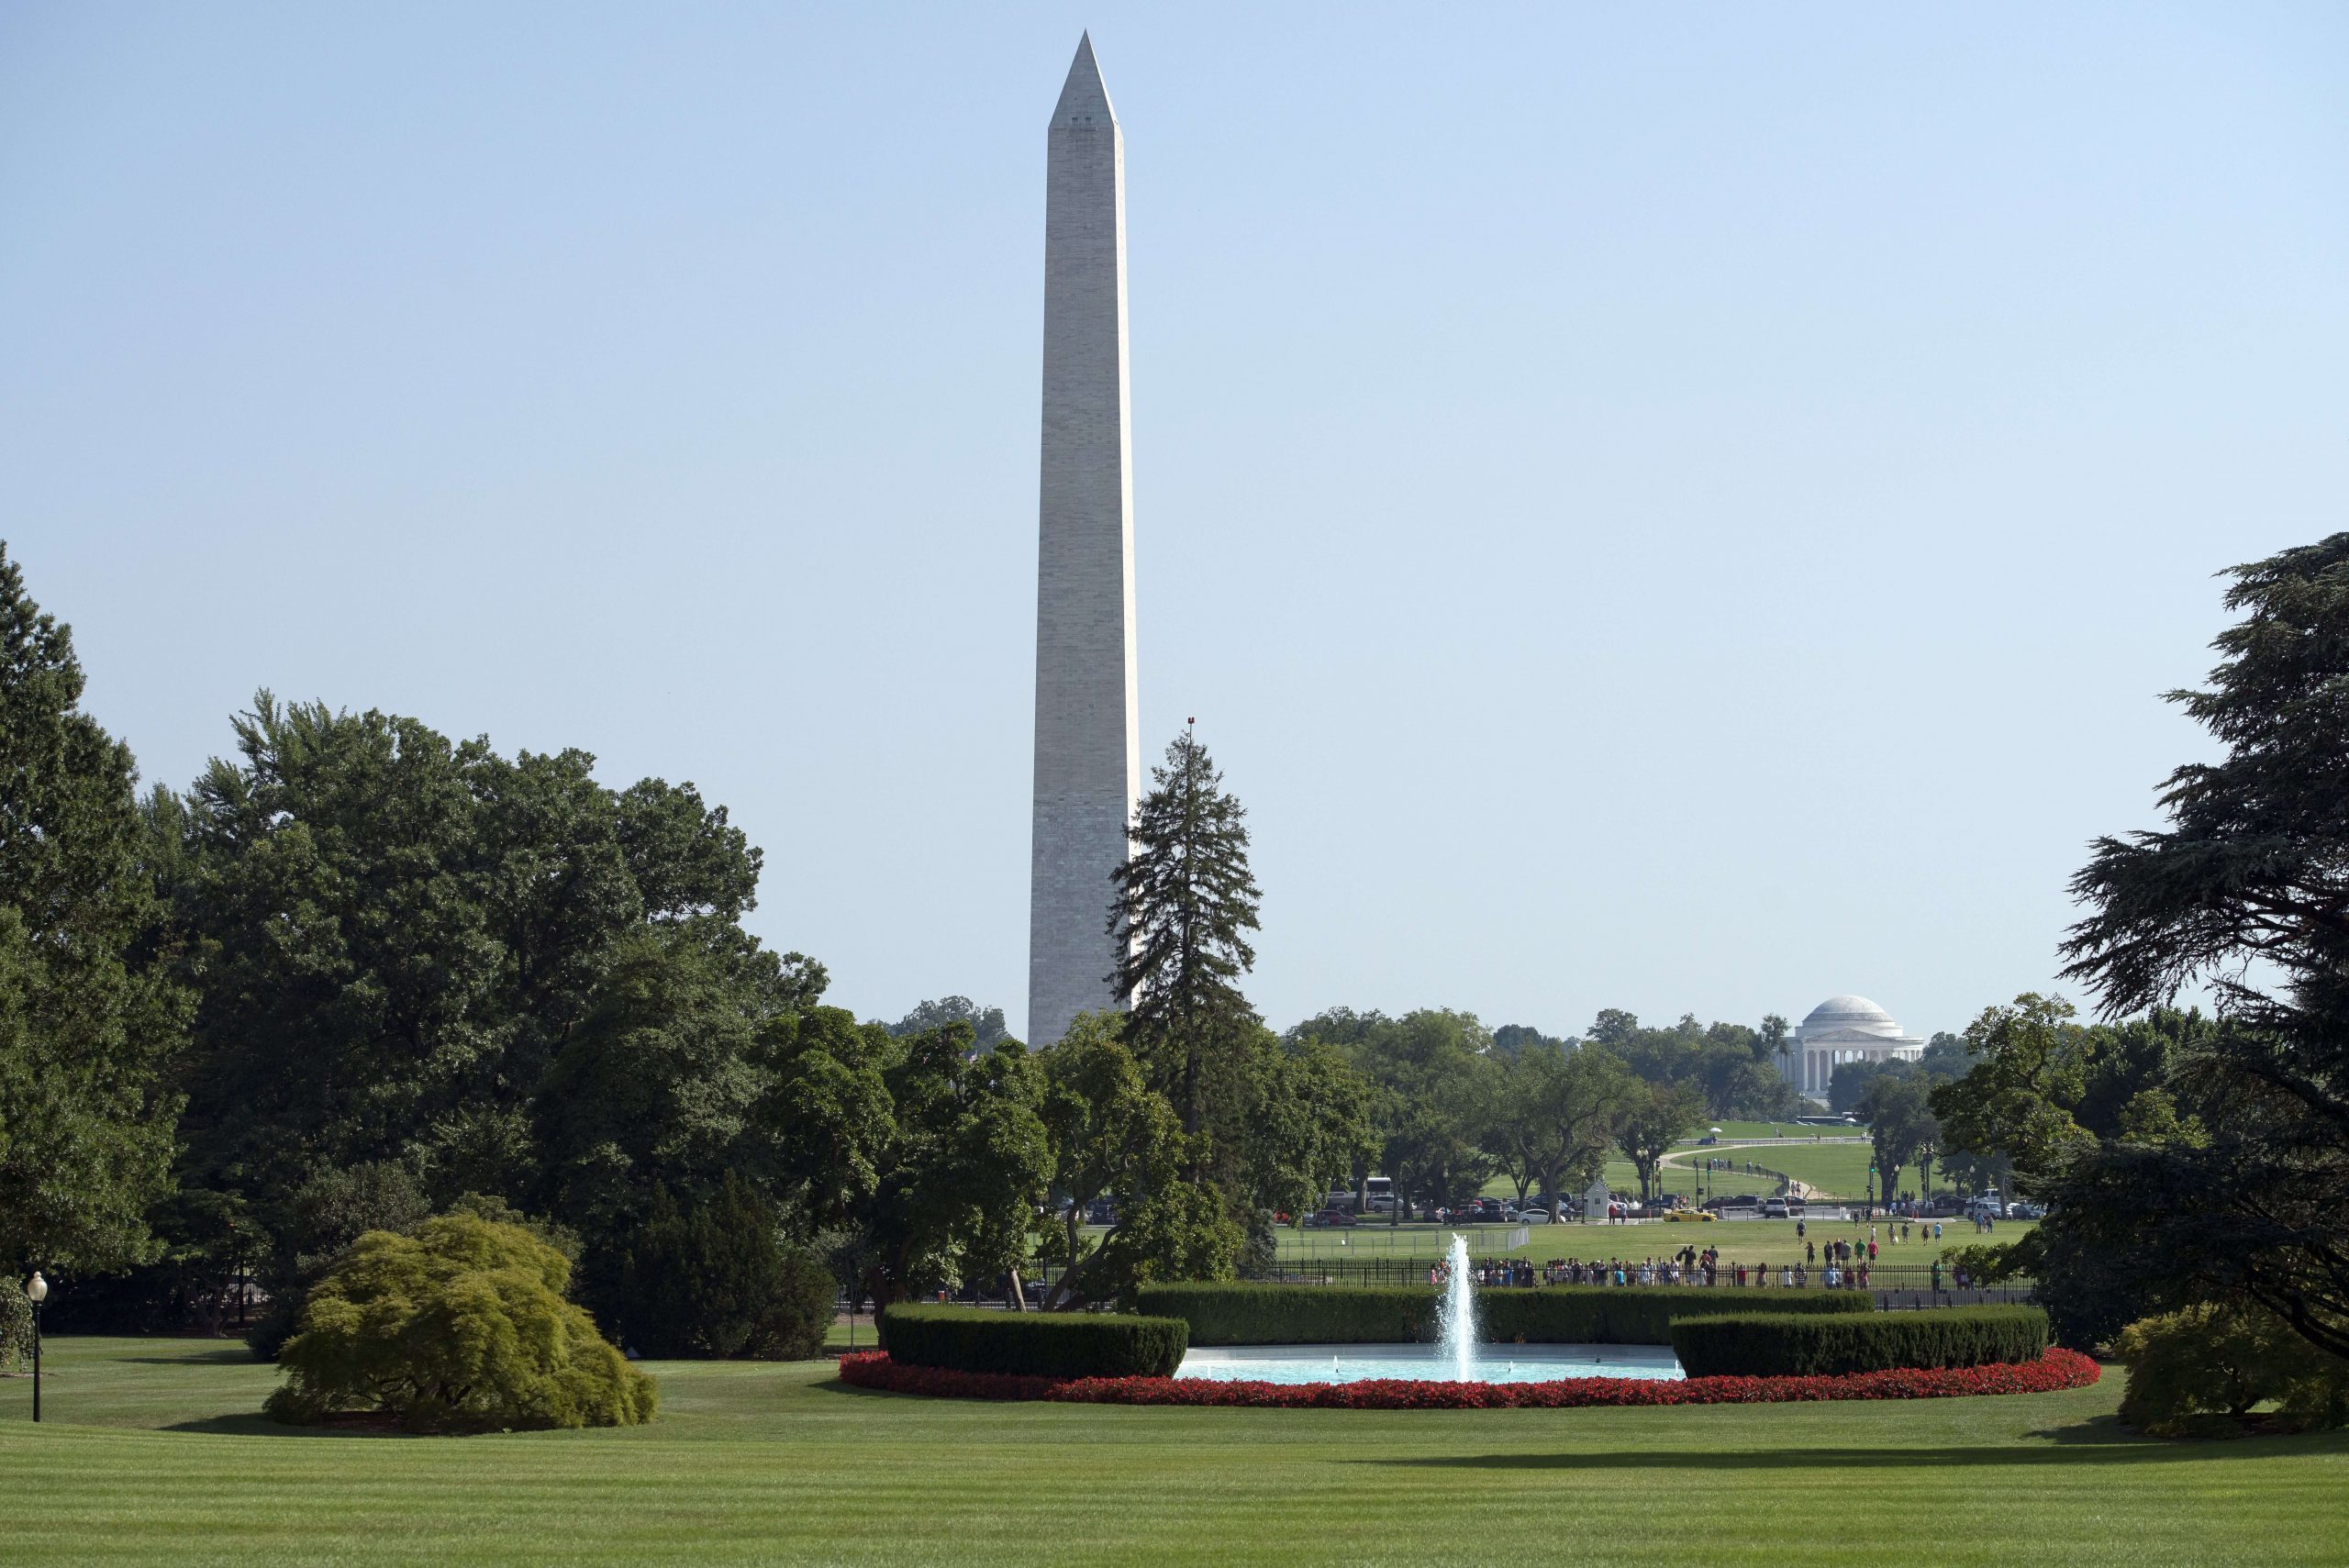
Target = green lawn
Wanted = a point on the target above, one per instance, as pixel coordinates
(151, 1455)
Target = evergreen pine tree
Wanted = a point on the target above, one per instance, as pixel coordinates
(87, 1019)
(1185, 900)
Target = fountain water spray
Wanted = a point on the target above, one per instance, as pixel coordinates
(1455, 1317)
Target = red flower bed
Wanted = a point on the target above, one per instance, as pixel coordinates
(2058, 1369)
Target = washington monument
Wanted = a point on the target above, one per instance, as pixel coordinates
(1088, 748)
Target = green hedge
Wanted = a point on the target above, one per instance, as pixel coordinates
(1785, 1344)
(1547, 1315)
(1034, 1344)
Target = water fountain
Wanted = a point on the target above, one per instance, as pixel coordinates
(1455, 1318)
(1453, 1357)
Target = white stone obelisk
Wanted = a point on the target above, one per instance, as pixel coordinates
(1088, 747)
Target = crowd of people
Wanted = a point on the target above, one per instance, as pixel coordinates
(1838, 1264)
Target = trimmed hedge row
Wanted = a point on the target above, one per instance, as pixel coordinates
(1033, 1344)
(1547, 1315)
(1788, 1344)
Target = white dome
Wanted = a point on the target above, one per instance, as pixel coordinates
(1856, 1015)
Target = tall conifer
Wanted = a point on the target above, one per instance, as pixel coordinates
(87, 1019)
(1185, 901)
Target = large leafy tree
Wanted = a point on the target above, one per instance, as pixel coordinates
(1185, 904)
(1736, 1067)
(1560, 1109)
(1114, 1137)
(2234, 1184)
(1652, 1119)
(924, 1162)
(1308, 1124)
(497, 973)
(1902, 1127)
(1440, 1092)
(89, 1015)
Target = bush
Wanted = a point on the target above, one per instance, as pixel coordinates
(1789, 1344)
(459, 1325)
(720, 1281)
(1550, 1314)
(2197, 1372)
(1034, 1344)
(16, 1326)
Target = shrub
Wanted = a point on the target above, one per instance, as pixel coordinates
(1550, 1314)
(720, 1281)
(1789, 1344)
(2196, 1373)
(15, 1325)
(459, 1325)
(1034, 1344)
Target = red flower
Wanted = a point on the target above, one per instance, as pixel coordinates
(2058, 1369)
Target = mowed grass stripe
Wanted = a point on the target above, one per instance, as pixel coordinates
(756, 1464)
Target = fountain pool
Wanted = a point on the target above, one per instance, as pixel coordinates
(1455, 1357)
(1494, 1363)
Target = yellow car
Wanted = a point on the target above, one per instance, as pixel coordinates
(1705, 1215)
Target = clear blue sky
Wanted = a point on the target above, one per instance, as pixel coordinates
(1675, 510)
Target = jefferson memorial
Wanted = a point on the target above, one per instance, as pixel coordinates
(1843, 1028)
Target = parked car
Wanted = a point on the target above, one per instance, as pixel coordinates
(1331, 1220)
(2025, 1211)
(1533, 1216)
(1692, 1216)
(1774, 1209)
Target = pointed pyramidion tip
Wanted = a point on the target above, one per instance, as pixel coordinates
(1085, 97)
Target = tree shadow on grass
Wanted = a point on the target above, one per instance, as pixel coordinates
(256, 1425)
(2062, 1446)
(221, 1355)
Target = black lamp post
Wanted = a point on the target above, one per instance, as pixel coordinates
(36, 1291)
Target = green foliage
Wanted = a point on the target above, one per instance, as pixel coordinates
(2194, 1372)
(987, 1028)
(1112, 1135)
(1306, 1126)
(928, 1161)
(330, 1211)
(15, 1325)
(2242, 892)
(720, 1281)
(2080, 1116)
(88, 1015)
(1239, 1314)
(420, 951)
(1898, 1109)
(1736, 1068)
(1185, 902)
(462, 1326)
(1555, 1118)
(1435, 1093)
(1034, 1344)
(1788, 1344)
(1653, 1118)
